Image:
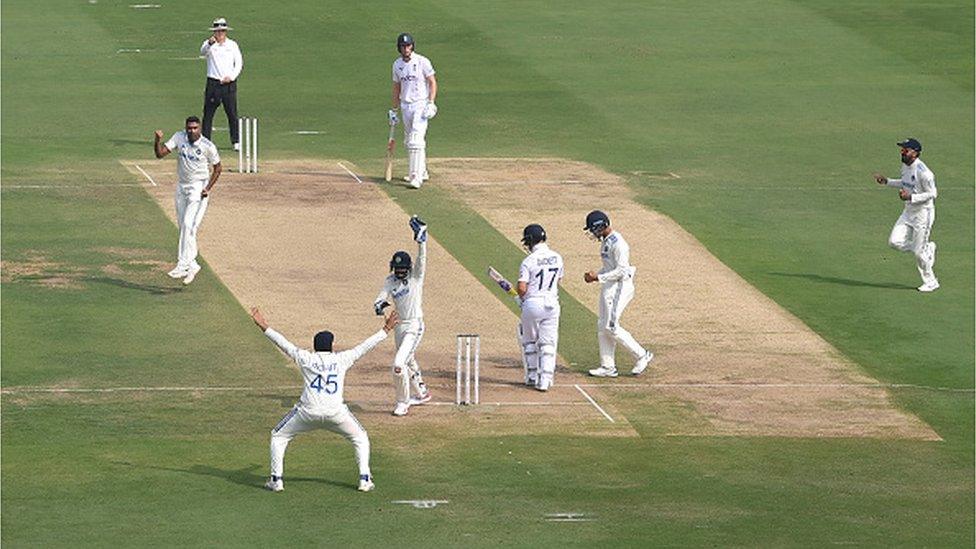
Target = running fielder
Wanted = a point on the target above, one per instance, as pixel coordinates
(538, 288)
(414, 91)
(197, 154)
(405, 287)
(913, 228)
(617, 289)
(321, 405)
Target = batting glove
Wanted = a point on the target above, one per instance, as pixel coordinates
(379, 306)
(430, 111)
(393, 117)
(419, 229)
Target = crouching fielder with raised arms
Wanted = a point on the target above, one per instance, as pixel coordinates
(617, 289)
(405, 287)
(321, 405)
(538, 288)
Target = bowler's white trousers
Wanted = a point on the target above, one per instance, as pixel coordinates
(190, 207)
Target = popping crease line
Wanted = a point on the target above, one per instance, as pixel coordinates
(612, 385)
(577, 386)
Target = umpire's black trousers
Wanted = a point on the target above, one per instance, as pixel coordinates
(216, 94)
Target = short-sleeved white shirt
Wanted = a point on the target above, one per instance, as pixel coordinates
(195, 159)
(412, 76)
(541, 271)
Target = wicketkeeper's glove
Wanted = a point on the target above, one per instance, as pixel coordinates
(419, 229)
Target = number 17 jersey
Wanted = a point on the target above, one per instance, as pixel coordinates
(541, 271)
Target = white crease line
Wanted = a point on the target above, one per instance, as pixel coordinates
(53, 390)
(138, 167)
(341, 165)
(593, 402)
(306, 132)
(79, 186)
(510, 404)
(612, 385)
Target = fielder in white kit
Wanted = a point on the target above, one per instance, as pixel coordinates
(414, 91)
(405, 287)
(914, 227)
(538, 289)
(617, 289)
(196, 155)
(321, 405)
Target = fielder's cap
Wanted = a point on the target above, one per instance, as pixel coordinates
(323, 341)
(911, 143)
(220, 24)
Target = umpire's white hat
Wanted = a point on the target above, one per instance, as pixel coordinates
(220, 24)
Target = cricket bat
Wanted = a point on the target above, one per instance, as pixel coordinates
(502, 283)
(390, 146)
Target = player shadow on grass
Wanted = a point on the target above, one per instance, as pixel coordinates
(245, 476)
(129, 285)
(846, 281)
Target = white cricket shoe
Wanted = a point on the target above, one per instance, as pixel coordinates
(275, 485)
(929, 287)
(409, 178)
(191, 274)
(416, 182)
(401, 409)
(365, 483)
(237, 146)
(603, 372)
(417, 401)
(642, 363)
(178, 272)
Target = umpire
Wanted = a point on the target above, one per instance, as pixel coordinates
(224, 64)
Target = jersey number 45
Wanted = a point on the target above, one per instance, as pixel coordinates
(330, 386)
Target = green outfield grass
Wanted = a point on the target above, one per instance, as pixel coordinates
(774, 114)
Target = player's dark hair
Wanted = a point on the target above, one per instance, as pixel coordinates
(192, 119)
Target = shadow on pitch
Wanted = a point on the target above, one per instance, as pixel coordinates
(128, 285)
(846, 281)
(245, 476)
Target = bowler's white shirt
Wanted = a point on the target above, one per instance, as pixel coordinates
(195, 159)
(412, 76)
(222, 59)
(324, 373)
(541, 271)
(615, 254)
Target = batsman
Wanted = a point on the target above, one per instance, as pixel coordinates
(405, 288)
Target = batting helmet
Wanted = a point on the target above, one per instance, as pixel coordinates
(404, 40)
(400, 264)
(532, 235)
(323, 342)
(596, 222)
